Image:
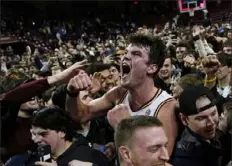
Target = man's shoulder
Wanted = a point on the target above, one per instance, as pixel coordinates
(116, 93)
(189, 151)
(84, 152)
(169, 102)
(165, 94)
(188, 142)
(118, 89)
(91, 155)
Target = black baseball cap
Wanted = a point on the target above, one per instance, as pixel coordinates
(189, 96)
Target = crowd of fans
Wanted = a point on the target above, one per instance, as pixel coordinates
(108, 93)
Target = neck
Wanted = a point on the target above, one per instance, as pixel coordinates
(61, 148)
(167, 80)
(118, 82)
(85, 126)
(224, 82)
(142, 94)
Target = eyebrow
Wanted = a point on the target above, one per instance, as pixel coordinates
(153, 146)
(158, 145)
(40, 132)
(136, 51)
(207, 115)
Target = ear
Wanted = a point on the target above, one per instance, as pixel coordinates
(61, 134)
(183, 119)
(230, 69)
(152, 69)
(124, 154)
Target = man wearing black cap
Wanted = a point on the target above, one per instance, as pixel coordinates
(199, 114)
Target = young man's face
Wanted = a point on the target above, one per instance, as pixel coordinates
(166, 70)
(227, 49)
(180, 53)
(149, 147)
(135, 66)
(229, 35)
(204, 123)
(223, 72)
(223, 123)
(176, 89)
(42, 136)
(85, 97)
(115, 73)
(106, 80)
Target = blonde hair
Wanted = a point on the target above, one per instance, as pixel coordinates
(190, 80)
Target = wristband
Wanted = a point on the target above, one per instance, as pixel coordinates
(70, 94)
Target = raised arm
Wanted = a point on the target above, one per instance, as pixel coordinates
(96, 107)
(37, 87)
(167, 116)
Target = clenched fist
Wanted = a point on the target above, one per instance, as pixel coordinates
(211, 65)
(189, 61)
(110, 150)
(80, 82)
(118, 113)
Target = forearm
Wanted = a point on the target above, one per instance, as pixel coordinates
(26, 91)
(199, 45)
(77, 109)
(170, 124)
(33, 88)
(208, 49)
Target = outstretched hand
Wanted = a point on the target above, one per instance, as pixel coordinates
(67, 74)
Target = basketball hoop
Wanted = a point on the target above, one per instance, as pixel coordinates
(191, 12)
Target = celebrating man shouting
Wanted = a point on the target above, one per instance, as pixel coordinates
(136, 95)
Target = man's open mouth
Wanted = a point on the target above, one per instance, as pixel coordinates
(125, 69)
(211, 130)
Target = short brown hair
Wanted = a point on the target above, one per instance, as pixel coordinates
(125, 131)
(190, 80)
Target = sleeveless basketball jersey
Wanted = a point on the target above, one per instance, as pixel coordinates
(152, 107)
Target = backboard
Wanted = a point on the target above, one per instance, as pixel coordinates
(188, 5)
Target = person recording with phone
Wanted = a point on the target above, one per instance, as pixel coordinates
(53, 131)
